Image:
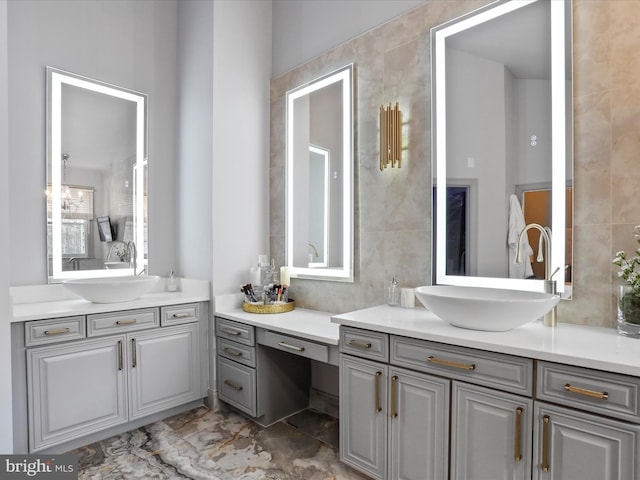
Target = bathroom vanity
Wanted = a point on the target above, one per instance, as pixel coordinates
(423, 399)
(84, 371)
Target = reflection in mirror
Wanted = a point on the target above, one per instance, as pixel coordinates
(96, 178)
(502, 130)
(320, 178)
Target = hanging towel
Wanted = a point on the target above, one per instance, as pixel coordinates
(516, 226)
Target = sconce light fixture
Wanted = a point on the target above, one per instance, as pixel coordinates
(390, 136)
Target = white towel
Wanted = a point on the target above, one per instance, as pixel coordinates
(516, 226)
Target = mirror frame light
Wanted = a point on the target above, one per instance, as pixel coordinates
(558, 142)
(56, 79)
(344, 273)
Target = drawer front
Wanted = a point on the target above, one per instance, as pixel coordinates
(610, 394)
(41, 332)
(237, 352)
(237, 385)
(297, 346)
(178, 314)
(236, 331)
(496, 370)
(118, 322)
(364, 343)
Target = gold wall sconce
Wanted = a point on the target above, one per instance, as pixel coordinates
(390, 136)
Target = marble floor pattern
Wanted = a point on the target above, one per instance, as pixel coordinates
(205, 445)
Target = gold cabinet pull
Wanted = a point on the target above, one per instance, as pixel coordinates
(588, 393)
(231, 331)
(57, 332)
(378, 407)
(181, 315)
(394, 381)
(120, 360)
(134, 354)
(291, 347)
(126, 322)
(355, 343)
(518, 435)
(545, 443)
(447, 363)
(233, 385)
(235, 353)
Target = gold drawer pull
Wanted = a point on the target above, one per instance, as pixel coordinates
(56, 332)
(589, 393)
(291, 347)
(394, 381)
(232, 352)
(181, 315)
(518, 441)
(355, 343)
(230, 331)
(233, 385)
(377, 393)
(447, 363)
(126, 322)
(545, 443)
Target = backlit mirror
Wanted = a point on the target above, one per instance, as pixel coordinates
(96, 178)
(502, 144)
(319, 204)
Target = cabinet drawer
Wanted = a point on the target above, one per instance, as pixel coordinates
(297, 346)
(237, 385)
(364, 343)
(40, 332)
(118, 322)
(236, 331)
(237, 352)
(178, 314)
(496, 370)
(610, 394)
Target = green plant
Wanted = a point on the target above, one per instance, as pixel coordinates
(629, 302)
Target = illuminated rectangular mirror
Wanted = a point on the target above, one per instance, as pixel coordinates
(502, 129)
(96, 178)
(319, 199)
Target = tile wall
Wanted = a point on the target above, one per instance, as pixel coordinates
(393, 208)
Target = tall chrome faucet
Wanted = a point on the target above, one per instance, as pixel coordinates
(551, 317)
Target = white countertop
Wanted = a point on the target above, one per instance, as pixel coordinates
(52, 301)
(592, 347)
(300, 322)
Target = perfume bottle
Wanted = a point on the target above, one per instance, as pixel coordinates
(393, 293)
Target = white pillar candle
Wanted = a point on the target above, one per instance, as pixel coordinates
(285, 279)
(254, 276)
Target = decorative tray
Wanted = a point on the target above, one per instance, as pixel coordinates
(269, 308)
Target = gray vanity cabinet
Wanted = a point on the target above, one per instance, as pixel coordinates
(490, 434)
(393, 422)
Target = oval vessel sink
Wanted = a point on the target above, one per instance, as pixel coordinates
(112, 289)
(489, 309)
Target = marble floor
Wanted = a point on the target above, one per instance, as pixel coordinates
(221, 445)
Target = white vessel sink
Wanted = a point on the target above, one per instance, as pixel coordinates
(112, 289)
(489, 309)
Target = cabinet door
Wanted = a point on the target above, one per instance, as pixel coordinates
(164, 369)
(490, 434)
(363, 419)
(75, 389)
(419, 425)
(573, 445)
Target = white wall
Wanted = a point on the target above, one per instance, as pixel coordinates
(128, 43)
(241, 109)
(195, 147)
(303, 30)
(6, 424)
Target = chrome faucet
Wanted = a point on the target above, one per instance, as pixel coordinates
(551, 317)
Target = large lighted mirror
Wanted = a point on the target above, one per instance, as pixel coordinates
(96, 178)
(319, 205)
(502, 145)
